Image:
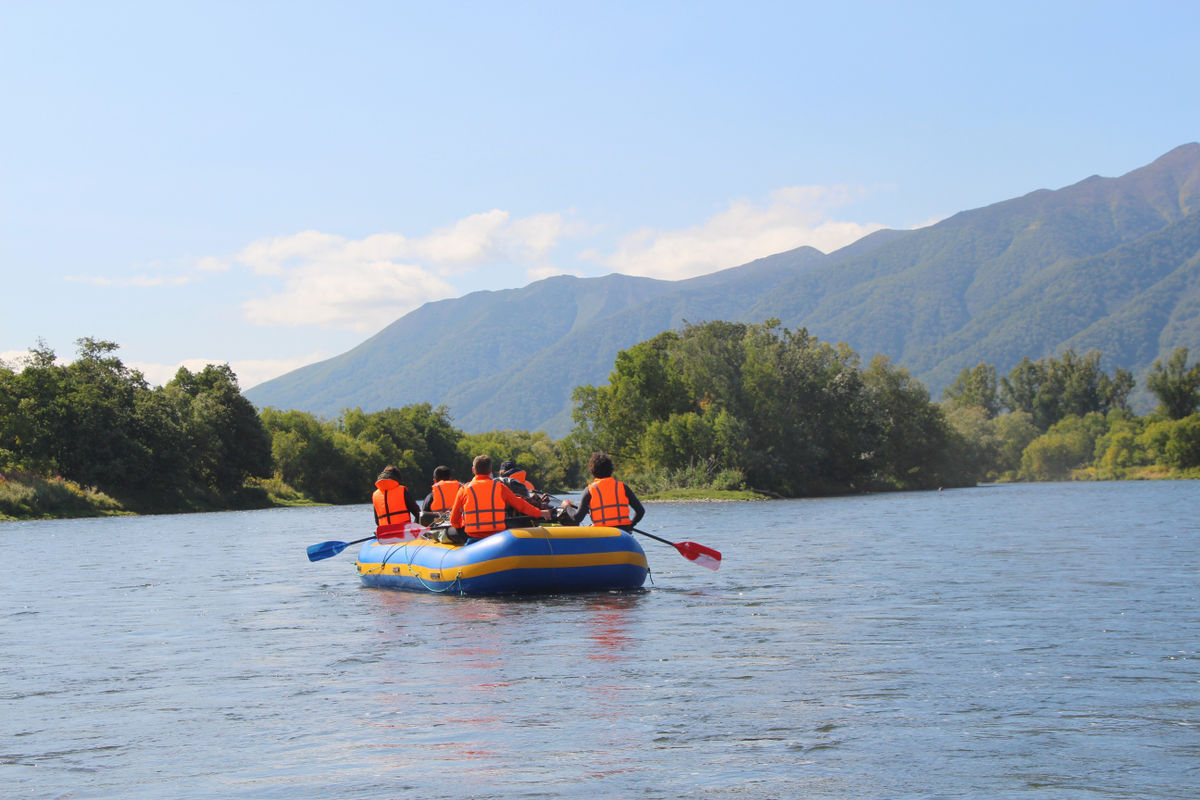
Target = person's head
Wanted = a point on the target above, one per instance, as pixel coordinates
(600, 465)
(482, 465)
(441, 474)
(389, 473)
(507, 468)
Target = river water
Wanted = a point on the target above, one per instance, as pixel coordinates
(1000, 642)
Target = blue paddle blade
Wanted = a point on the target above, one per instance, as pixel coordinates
(316, 552)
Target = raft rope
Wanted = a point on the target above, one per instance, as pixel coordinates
(412, 554)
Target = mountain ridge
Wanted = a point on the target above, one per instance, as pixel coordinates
(1099, 261)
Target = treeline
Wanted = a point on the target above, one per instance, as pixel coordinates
(732, 405)
(726, 405)
(93, 437)
(714, 406)
(1064, 417)
(190, 444)
(336, 461)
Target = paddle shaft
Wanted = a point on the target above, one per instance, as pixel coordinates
(652, 536)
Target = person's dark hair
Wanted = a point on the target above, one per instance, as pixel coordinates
(507, 468)
(390, 472)
(600, 465)
(482, 465)
(442, 474)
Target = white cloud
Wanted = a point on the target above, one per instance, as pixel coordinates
(14, 359)
(211, 264)
(339, 293)
(792, 217)
(363, 284)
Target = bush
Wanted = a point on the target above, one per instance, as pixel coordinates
(1182, 448)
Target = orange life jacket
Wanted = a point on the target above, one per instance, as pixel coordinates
(483, 508)
(519, 477)
(608, 503)
(444, 493)
(391, 503)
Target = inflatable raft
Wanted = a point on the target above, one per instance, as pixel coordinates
(517, 561)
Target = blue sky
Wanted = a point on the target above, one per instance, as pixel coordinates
(267, 184)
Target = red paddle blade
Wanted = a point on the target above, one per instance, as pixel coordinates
(698, 553)
(399, 532)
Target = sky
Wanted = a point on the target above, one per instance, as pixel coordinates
(268, 184)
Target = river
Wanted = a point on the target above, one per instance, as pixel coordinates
(1015, 641)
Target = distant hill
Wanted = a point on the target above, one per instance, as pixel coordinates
(1111, 264)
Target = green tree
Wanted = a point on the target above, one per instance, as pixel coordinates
(975, 386)
(1068, 445)
(228, 441)
(1118, 449)
(916, 444)
(1176, 385)
(1182, 449)
(1054, 388)
(775, 408)
(318, 459)
(551, 466)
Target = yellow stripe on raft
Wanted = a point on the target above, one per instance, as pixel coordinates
(502, 564)
(590, 532)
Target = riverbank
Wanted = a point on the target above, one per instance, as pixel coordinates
(27, 496)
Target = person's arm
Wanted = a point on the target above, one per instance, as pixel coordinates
(456, 511)
(427, 502)
(577, 513)
(635, 506)
(520, 504)
(412, 506)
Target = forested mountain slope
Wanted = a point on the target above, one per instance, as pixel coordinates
(1107, 263)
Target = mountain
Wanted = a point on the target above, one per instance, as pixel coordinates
(1111, 264)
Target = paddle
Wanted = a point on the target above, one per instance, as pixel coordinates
(403, 531)
(696, 553)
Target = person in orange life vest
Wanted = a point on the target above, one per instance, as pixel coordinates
(478, 510)
(607, 500)
(392, 501)
(514, 478)
(444, 490)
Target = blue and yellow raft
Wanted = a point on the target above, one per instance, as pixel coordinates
(516, 561)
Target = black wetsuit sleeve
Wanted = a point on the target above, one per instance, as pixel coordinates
(579, 512)
(635, 506)
(427, 502)
(412, 506)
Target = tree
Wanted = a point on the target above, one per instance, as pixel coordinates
(1176, 385)
(786, 412)
(975, 386)
(1054, 388)
(227, 442)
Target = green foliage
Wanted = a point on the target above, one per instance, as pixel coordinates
(1174, 443)
(1118, 450)
(551, 466)
(26, 496)
(975, 387)
(726, 403)
(1176, 386)
(190, 444)
(336, 461)
(1054, 388)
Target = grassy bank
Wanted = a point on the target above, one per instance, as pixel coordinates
(713, 495)
(25, 496)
